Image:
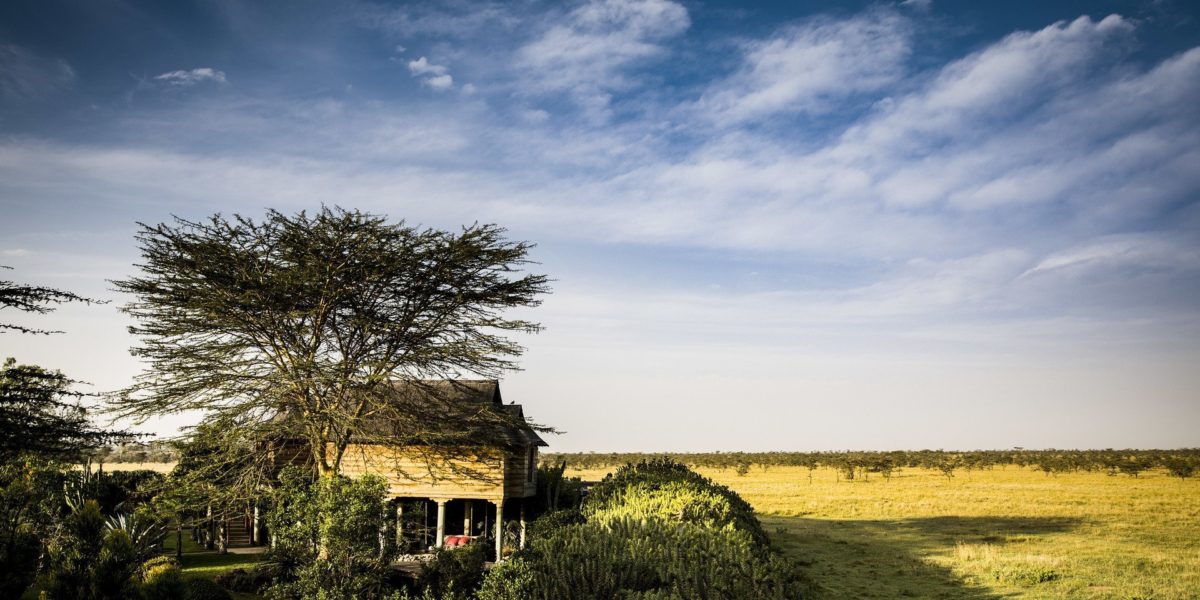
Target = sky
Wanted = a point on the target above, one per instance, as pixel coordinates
(771, 226)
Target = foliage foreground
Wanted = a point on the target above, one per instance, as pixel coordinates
(651, 530)
(998, 533)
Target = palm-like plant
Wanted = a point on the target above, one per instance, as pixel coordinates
(146, 533)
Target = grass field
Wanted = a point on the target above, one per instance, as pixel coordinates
(1003, 533)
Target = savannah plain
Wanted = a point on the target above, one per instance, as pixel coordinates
(1006, 532)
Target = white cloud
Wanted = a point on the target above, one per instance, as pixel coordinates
(810, 67)
(422, 66)
(192, 77)
(436, 77)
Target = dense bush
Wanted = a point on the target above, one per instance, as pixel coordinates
(30, 506)
(73, 553)
(666, 490)
(161, 579)
(327, 537)
(250, 581)
(654, 529)
(555, 491)
(550, 522)
(652, 559)
(205, 589)
(454, 573)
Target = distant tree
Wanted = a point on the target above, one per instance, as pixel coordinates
(811, 463)
(947, 465)
(742, 468)
(295, 326)
(886, 467)
(1132, 466)
(1180, 467)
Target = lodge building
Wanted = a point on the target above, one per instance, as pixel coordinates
(440, 495)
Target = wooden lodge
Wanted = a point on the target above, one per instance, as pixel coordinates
(458, 494)
(441, 494)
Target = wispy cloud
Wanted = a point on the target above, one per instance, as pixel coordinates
(457, 19)
(26, 75)
(810, 67)
(586, 52)
(191, 77)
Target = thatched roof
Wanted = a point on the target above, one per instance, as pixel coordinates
(456, 409)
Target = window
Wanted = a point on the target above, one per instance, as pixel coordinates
(531, 464)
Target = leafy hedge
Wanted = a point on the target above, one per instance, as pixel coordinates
(654, 530)
(666, 490)
(651, 559)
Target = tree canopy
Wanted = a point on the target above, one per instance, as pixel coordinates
(35, 299)
(295, 326)
(39, 412)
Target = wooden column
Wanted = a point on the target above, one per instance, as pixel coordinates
(468, 516)
(209, 527)
(254, 523)
(441, 523)
(499, 530)
(400, 524)
(522, 542)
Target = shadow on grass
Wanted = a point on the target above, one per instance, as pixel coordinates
(887, 558)
(211, 564)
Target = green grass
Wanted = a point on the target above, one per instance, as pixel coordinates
(207, 564)
(1004, 533)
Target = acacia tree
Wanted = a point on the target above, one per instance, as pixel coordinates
(34, 299)
(295, 327)
(39, 412)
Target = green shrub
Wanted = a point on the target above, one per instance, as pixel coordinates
(326, 535)
(116, 567)
(454, 573)
(652, 559)
(550, 522)
(205, 589)
(510, 580)
(19, 552)
(161, 579)
(667, 490)
(74, 552)
(30, 499)
(250, 581)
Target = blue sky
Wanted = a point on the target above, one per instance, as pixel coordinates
(772, 226)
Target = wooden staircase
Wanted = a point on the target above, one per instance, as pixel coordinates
(237, 531)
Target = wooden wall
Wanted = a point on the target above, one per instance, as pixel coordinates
(424, 473)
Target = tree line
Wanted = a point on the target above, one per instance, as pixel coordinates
(1182, 463)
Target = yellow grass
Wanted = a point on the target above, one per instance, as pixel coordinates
(159, 467)
(1003, 533)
